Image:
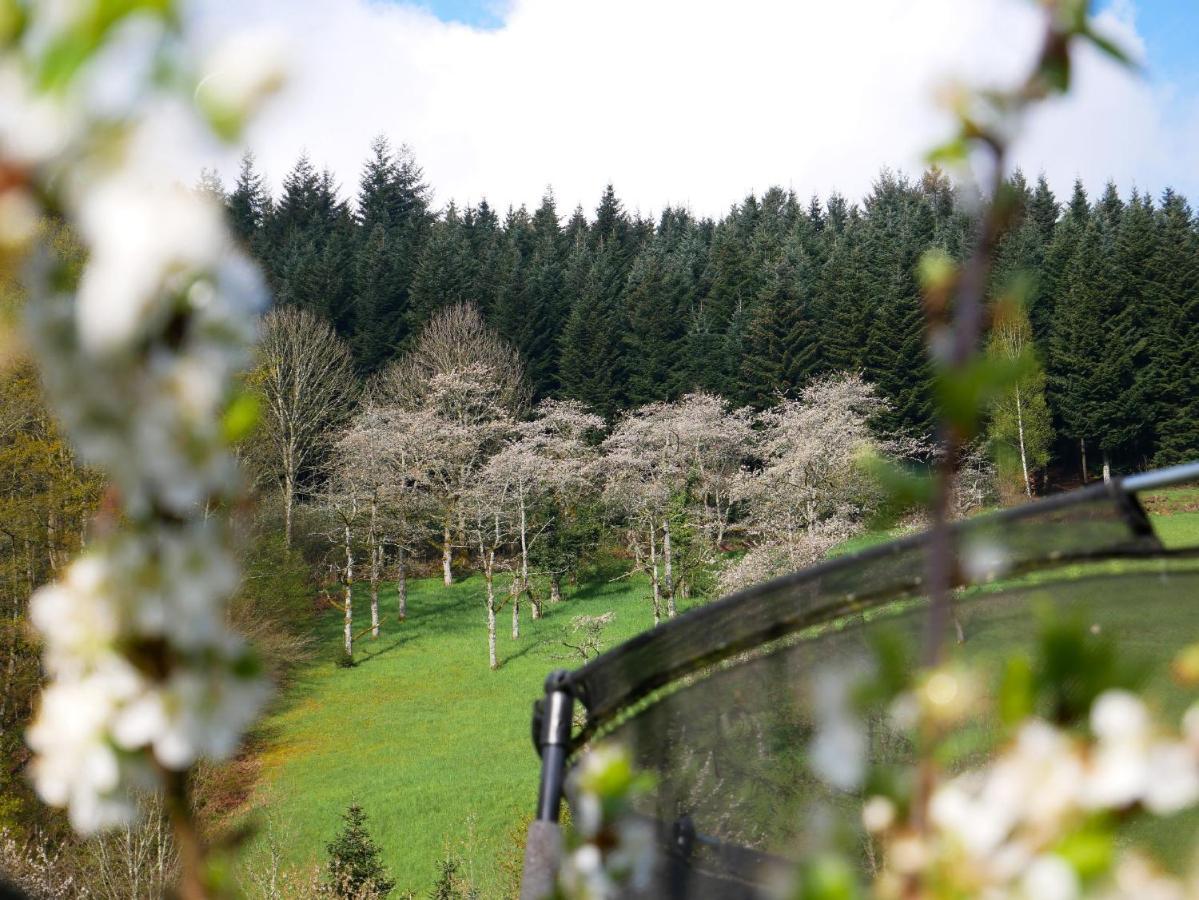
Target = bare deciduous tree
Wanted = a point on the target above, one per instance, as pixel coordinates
(473, 382)
(305, 375)
(810, 491)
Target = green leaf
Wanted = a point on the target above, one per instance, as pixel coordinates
(241, 417)
(965, 394)
(13, 17)
(1090, 851)
(1110, 48)
(1017, 696)
(951, 153)
(828, 877)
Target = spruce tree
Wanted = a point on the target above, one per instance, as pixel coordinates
(782, 349)
(1172, 294)
(654, 326)
(354, 870)
(445, 274)
(591, 350)
(248, 203)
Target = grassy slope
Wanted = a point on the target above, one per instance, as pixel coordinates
(435, 746)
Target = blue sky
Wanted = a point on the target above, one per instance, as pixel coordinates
(479, 13)
(1171, 32)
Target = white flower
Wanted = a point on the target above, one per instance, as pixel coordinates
(147, 243)
(584, 877)
(878, 814)
(34, 128)
(985, 559)
(1119, 716)
(78, 617)
(1050, 878)
(1172, 778)
(75, 764)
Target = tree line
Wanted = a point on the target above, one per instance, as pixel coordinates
(617, 310)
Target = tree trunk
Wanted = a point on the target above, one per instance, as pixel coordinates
(376, 553)
(289, 493)
(525, 585)
(653, 572)
(668, 568)
(492, 659)
(1023, 452)
(402, 583)
(555, 587)
(515, 612)
(1107, 468)
(349, 594)
(447, 572)
(1082, 446)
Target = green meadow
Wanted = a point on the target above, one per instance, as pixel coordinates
(435, 746)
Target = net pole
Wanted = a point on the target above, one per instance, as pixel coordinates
(543, 844)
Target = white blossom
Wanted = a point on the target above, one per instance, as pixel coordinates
(144, 674)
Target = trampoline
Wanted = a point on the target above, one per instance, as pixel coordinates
(717, 704)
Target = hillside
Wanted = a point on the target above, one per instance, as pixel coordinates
(436, 747)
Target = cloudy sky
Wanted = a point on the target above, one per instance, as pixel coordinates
(699, 102)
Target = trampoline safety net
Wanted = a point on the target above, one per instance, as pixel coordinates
(718, 703)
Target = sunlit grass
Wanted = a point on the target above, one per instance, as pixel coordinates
(434, 746)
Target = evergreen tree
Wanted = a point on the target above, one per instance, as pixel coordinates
(782, 348)
(393, 220)
(1172, 295)
(248, 203)
(654, 326)
(548, 303)
(445, 274)
(897, 230)
(591, 361)
(355, 870)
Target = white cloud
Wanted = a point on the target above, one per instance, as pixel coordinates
(688, 101)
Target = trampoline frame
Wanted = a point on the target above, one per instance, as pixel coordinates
(553, 714)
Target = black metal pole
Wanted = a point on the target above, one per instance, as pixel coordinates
(553, 743)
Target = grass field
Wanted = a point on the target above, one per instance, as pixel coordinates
(435, 746)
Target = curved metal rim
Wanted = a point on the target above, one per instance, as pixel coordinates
(1121, 491)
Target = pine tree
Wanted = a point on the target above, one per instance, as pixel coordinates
(1172, 296)
(445, 274)
(248, 203)
(591, 361)
(548, 303)
(354, 870)
(897, 230)
(782, 342)
(392, 224)
(654, 326)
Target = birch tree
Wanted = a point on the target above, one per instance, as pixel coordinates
(489, 503)
(544, 462)
(1021, 427)
(362, 461)
(305, 375)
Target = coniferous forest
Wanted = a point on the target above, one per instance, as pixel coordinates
(618, 310)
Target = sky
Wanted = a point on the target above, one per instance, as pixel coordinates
(699, 102)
